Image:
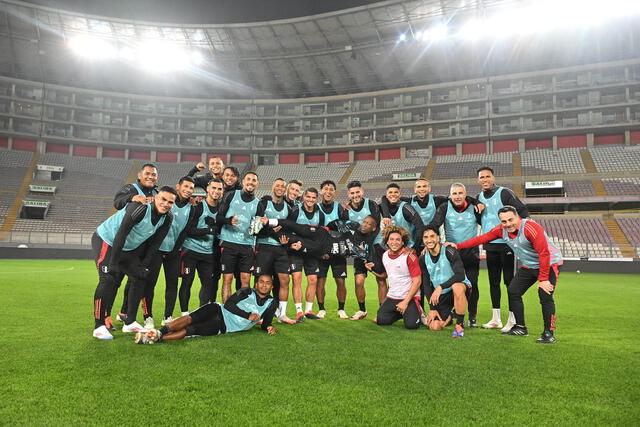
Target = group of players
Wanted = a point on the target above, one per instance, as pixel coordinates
(231, 235)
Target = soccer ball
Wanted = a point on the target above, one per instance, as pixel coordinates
(578, 271)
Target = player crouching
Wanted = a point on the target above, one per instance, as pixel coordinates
(443, 272)
(240, 312)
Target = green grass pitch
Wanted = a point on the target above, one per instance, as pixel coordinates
(327, 372)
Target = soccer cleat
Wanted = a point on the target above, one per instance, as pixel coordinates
(121, 317)
(359, 315)
(149, 324)
(520, 331)
(109, 324)
(286, 320)
(167, 320)
(546, 337)
(102, 333)
(493, 324)
(458, 331)
(133, 327)
(507, 327)
(343, 314)
(322, 314)
(255, 226)
(311, 315)
(184, 313)
(473, 323)
(299, 317)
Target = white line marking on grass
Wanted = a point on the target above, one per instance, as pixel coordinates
(38, 271)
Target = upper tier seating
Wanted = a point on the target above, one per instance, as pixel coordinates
(546, 162)
(581, 236)
(311, 174)
(382, 171)
(621, 186)
(616, 158)
(452, 167)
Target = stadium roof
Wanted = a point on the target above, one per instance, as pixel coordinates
(353, 50)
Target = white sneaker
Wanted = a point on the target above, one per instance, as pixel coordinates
(184, 313)
(510, 323)
(322, 314)
(359, 315)
(343, 314)
(149, 324)
(286, 320)
(167, 320)
(134, 327)
(102, 333)
(493, 324)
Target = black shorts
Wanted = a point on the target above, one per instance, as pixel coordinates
(207, 320)
(338, 267)
(376, 257)
(310, 264)
(271, 259)
(358, 267)
(445, 305)
(234, 257)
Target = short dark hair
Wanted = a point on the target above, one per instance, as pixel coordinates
(279, 179)
(311, 190)
(507, 208)
(250, 173)
(168, 189)
(295, 181)
(373, 218)
(328, 182)
(148, 165)
(393, 185)
(485, 168)
(218, 180)
(233, 169)
(186, 178)
(354, 184)
(431, 228)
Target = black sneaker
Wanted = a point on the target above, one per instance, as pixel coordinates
(518, 330)
(311, 315)
(546, 337)
(473, 323)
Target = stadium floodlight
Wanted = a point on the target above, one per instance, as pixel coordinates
(436, 33)
(418, 35)
(472, 30)
(402, 37)
(197, 58)
(92, 48)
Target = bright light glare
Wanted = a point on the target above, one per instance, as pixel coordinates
(402, 37)
(92, 48)
(159, 57)
(472, 30)
(436, 33)
(197, 58)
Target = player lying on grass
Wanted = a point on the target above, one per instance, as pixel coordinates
(240, 312)
(540, 261)
(446, 284)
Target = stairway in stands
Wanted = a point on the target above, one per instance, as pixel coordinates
(347, 173)
(619, 237)
(429, 169)
(516, 164)
(590, 167)
(133, 175)
(13, 213)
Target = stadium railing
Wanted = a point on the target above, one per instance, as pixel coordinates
(44, 238)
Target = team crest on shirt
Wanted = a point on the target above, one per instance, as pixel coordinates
(105, 269)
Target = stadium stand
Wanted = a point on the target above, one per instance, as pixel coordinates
(621, 186)
(448, 167)
(545, 162)
(581, 236)
(383, 170)
(631, 229)
(616, 158)
(579, 188)
(311, 174)
(13, 165)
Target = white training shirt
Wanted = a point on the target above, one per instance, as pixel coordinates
(400, 271)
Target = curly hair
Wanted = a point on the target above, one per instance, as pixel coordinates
(403, 232)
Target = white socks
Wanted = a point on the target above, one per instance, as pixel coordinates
(308, 307)
(496, 315)
(299, 307)
(283, 308)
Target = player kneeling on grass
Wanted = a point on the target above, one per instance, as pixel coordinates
(403, 272)
(240, 312)
(446, 283)
(540, 260)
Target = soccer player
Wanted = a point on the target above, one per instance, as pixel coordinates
(500, 260)
(240, 312)
(216, 166)
(125, 244)
(142, 191)
(168, 256)
(443, 271)
(332, 211)
(359, 208)
(230, 179)
(199, 248)
(403, 272)
(294, 189)
(308, 214)
(236, 212)
(461, 221)
(271, 256)
(540, 260)
(402, 214)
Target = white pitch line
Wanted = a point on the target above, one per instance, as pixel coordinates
(38, 271)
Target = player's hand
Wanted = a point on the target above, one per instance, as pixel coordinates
(546, 286)
(479, 207)
(284, 240)
(140, 199)
(296, 246)
(424, 251)
(264, 220)
(433, 315)
(200, 166)
(277, 228)
(407, 251)
(193, 201)
(271, 330)
(234, 220)
(325, 256)
(347, 205)
(387, 222)
(435, 296)
(254, 317)
(402, 306)
(369, 265)
(453, 245)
